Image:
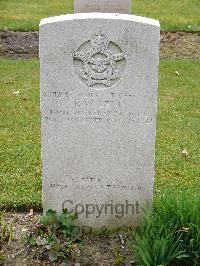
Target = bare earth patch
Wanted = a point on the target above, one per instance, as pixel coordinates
(173, 44)
(180, 45)
(98, 249)
(19, 44)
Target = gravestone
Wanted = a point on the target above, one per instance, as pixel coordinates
(103, 6)
(98, 109)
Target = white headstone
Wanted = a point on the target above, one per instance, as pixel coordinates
(103, 6)
(98, 106)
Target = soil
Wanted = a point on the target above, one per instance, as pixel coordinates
(180, 45)
(173, 44)
(98, 249)
(19, 44)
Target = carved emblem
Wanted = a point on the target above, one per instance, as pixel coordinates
(100, 62)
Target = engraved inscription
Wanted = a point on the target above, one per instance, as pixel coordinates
(99, 186)
(105, 108)
(99, 63)
(88, 182)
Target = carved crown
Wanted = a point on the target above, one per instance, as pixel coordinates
(99, 41)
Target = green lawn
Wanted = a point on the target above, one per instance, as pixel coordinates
(20, 181)
(177, 129)
(173, 15)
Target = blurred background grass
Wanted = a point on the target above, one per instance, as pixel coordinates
(24, 15)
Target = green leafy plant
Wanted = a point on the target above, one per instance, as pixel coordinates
(171, 233)
(6, 235)
(57, 235)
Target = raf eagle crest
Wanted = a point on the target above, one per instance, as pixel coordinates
(102, 61)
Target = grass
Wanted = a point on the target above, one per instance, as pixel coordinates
(171, 234)
(177, 129)
(20, 182)
(173, 15)
(178, 125)
(24, 15)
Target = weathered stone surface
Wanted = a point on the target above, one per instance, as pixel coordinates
(103, 6)
(98, 107)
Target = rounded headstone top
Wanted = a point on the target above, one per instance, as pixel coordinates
(111, 16)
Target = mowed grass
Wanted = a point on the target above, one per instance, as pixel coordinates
(25, 15)
(178, 126)
(20, 181)
(177, 129)
(173, 15)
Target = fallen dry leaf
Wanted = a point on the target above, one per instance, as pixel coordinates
(185, 153)
(177, 73)
(185, 228)
(121, 239)
(31, 212)
(16, 93)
